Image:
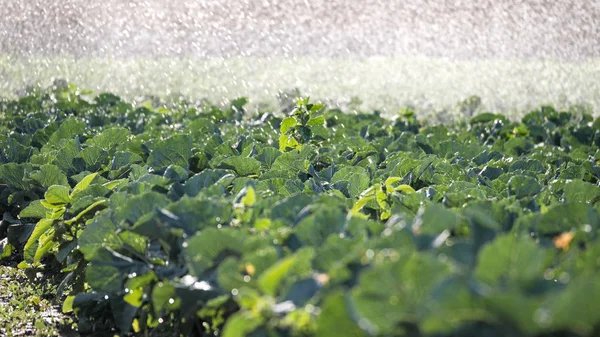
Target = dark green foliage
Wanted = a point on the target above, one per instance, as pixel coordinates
(200, 220)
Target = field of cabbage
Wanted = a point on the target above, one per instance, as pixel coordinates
(191, 219)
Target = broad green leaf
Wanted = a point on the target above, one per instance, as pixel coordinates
(523, 186)
(576, 308)
(204, 180)
(288, 142)
(397, 291)
(163, 297)
(175, 150)
(194, 215)
(13, 174)
(41, 227)
(57, 195)
(336, 318)
(313, 230)
(513, 260)
(84, 183)
(137, 206)
(580, 191)
(563, 218)
(46, 244)
(49, 175)
(103, 277)
(241, 325)
(434, 219)
(70, 128)
(35, 209)
(68, 304)
(357, 177)
(204, 247)
(94, 157)
(110, 138)
(67, 157)
(299, 263)
(287, 124)
(268, 155)
(243, 166)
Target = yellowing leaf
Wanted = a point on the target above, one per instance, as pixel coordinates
(135, 325)
(40, 228)
(250, 198)
(564, 240)
(286, 142)
(68, 304)
(287, 124)
(84, 183)
(250, 269)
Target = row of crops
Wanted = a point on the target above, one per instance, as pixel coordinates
(194, 219)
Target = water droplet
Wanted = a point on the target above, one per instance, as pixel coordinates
(171, 301)
(234, 292)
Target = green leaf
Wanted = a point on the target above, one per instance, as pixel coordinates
(175, 150)
(563, 218)
(268, 155)
(204, 247)
(357, 177)
(13, 174)
(240, 325)
(194, 215)
(94, 157)
(288, 142)
(204, 180)
(577, 308)
(313, 230)
(70, 128)
(580, 191)
(57, 195)
(512, 259)
(140, 205)
(243, 166)
(84, 183)
(286, 124)
(316, 121)
(297, 264)
(49, 175)
(434, 219)
(396, 291)
(68, 304)
(110, 138)
(523, 186)
(35, 209)
(67, 159)
(102, 277)
(46, 244)
(163, 297)
(335, 319)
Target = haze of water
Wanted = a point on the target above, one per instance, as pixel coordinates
(429, 55)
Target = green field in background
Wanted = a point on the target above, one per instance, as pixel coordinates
(430, 85)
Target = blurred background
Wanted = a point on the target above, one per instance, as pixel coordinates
(359, 54)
